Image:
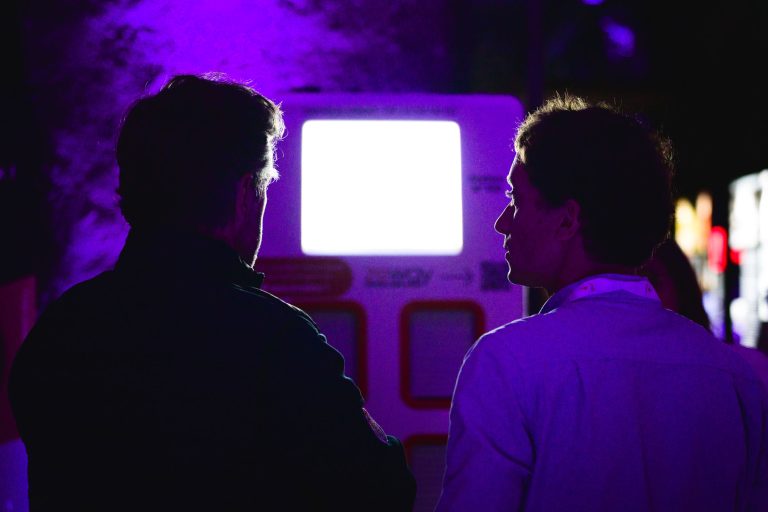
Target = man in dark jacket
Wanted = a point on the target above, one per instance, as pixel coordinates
(173, 382)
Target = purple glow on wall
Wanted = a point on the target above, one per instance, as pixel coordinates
(592, 2)
(620, 37)
(89, 69)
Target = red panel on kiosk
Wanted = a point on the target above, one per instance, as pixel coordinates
(426, 457)
(434, 337)
(18, 309)
(717, 249)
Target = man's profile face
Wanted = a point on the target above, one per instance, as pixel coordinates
(528, 225)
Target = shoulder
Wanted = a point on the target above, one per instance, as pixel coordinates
(277, 308)
(296, 345)
(508, 345)
(520, 336)
(522, 327)
(88, 296)
(59, 329)
(101, 283)
(288, 330)
(757, 361)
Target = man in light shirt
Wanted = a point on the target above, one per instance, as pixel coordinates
(604, 401)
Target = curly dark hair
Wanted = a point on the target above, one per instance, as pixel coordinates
(617, 169)
(182, 151)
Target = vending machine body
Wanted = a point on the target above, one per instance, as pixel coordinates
(381, 228)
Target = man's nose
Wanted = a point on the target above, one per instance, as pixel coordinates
(496, 226)
(501, 223)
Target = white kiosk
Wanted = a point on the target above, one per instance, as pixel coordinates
(381, 228)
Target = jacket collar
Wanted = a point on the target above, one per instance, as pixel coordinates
(169, 251)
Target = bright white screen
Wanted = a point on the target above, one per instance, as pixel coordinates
(381, 187)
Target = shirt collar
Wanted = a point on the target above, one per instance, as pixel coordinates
(600, 284)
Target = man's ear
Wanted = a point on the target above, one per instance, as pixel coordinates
(570, 220)
(243, 196)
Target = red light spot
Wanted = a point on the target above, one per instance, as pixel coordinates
(735, 257)
(717, 249)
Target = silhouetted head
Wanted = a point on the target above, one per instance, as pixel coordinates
(183, 151)
(591, 193)
(616, 169)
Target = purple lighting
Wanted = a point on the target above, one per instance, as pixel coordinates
(620, 38)
(122, 50)
(592, 2)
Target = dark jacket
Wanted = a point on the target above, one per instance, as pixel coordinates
(174, 383)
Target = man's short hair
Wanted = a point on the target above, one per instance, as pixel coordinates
(182, 151)
(617, 169)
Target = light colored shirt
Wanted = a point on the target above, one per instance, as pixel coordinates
(756, 359)
(606, 401)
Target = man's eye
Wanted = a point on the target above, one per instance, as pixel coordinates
(511, 197)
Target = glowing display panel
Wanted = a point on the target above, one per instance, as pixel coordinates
(381, 188)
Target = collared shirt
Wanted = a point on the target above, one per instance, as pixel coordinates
(600, 284)
(606, 401)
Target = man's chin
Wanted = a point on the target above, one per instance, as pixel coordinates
(522, 279)
(516, 279)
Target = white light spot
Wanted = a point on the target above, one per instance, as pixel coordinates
(381, 188)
